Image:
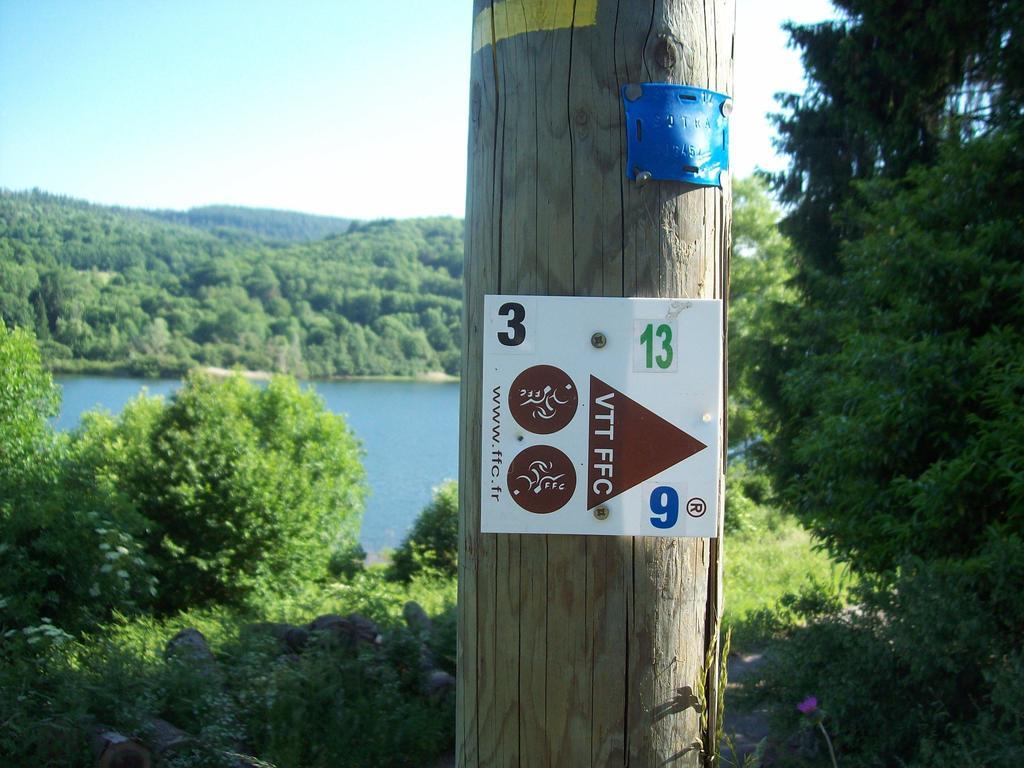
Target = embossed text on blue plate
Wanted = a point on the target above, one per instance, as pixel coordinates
(676, 133)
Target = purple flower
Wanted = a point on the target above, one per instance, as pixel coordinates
(808, 705)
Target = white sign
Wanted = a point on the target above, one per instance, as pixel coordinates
(601, 416)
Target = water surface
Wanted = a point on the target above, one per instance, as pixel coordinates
(409, 431)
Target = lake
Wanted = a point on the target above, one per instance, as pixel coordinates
(409, 431)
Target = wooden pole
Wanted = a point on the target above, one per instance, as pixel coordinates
(575, 650)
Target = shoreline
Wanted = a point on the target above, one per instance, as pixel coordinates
(113, 371)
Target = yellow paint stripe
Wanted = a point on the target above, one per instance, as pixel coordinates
(509, 18)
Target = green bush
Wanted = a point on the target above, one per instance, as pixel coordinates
(897, 387)
(334, 709)
(28, 397)
(69, 550)
(433, 542)
(332, 705)
(941, 649)
(347, 560)
(747, 491)
(246, 490)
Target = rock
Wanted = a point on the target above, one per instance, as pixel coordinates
(438, 683)
(366, 630)
(115, 750)
(330, 623)
(421, 626)
(350, 630)
(165, 738)
(190, 645)
(296, 638)
(416, 619)
(292, 639)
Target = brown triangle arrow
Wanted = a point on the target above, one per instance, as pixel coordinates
(628, 444)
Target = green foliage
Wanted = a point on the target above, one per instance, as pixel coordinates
(772, 566)
(264, 222)
(747, 493)
(759, 272)
(333, 709)
(895, 381)
(347, 560)
(68, 560)
(332, 706)
(902, 400)
(948, 662)
(433, 543)
(245, 489)
(69, 552)
(121, 291)
(28, 397)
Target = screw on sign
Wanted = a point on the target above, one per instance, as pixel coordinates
(543, 399)
(541, 479)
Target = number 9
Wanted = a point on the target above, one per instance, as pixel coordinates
(665, 504)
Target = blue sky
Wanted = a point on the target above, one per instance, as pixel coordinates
(327, 106)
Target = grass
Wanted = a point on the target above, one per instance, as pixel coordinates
(770, 563)
(118, 675)
(330, 706)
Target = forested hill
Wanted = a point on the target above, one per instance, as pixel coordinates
(265, 222)
(120, 290)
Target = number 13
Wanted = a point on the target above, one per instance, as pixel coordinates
(664, 335)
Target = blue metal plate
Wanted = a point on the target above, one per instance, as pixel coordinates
(676, 133)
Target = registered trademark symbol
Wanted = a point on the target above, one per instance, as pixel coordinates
(696, 507)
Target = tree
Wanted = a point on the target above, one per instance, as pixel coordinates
(28, 397)
(92, 280)
(433, 542)
(895, 380)
(888, 84)
(759, 272)
(68, 551)
(906, 436)
(246, 489)
(855, 404)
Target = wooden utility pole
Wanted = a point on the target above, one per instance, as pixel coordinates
(583, 650)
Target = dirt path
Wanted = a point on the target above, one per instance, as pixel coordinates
(746, 729)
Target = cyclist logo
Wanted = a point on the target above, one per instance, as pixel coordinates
(543, 399)
(541, 479)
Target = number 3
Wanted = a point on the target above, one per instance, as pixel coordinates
(516, 333)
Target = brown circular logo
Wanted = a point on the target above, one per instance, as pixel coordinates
(541, 479)
(543, 399)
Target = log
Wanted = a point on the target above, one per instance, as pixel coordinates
(115, 750)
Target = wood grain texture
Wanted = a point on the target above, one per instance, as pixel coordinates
(573, 650)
